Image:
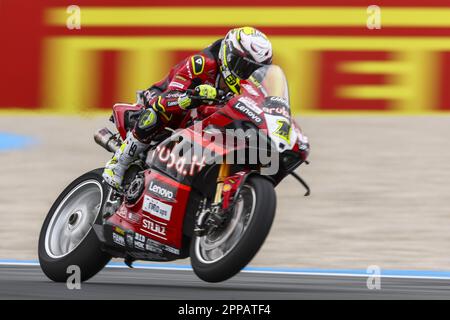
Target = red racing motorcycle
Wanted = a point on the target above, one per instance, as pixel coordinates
(202, 191)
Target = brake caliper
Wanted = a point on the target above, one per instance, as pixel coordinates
(210, 218)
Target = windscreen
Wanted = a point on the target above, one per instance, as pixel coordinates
(273, 81)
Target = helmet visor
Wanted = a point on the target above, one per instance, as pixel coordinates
(241, 67)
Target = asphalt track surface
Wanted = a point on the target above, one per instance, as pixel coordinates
(28, 282)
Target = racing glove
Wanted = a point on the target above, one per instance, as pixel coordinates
(185, 101)
(204, 91)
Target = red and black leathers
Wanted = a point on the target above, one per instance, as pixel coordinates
(162, 97)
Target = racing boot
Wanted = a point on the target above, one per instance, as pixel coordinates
(128, 152)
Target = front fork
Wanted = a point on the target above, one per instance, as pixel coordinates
(209, 218)
(224, 172)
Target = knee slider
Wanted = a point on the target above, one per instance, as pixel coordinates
(146, 125)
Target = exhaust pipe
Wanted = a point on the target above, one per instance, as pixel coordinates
(107, 140)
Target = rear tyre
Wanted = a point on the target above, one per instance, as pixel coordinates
(67, 237)
(220, 256)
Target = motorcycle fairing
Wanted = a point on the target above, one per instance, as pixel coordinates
(154, 223)
(122, 114)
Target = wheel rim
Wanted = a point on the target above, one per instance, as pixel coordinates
(73, 219)
(212, 248)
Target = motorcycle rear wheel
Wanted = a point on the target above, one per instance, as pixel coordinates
(67, 238)
(218, 257)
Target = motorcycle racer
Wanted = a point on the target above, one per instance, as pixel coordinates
(221, 65)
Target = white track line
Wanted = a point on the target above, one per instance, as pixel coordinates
(299, 273)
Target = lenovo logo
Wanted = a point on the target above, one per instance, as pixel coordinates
(161, 191)
(241, 107)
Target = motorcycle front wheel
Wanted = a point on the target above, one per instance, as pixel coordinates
(67, 241)
(220, 255)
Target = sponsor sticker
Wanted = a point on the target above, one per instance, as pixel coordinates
(153, 227)
(241, 107)
(280, 111)
(172, 103)
(133, 217)
(279, 100)
(157, 208)
(180, 78)
(176, 94)
(139, 237)
(171, 250)
(139, 245)
(250, 89)
(162, 190)
(120, 240)
(130, 240)
(153, 246)
(251, 104)
(139, 241)
(119, 231)
(157, 247)
(175, 84)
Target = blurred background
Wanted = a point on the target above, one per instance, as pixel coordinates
(56, 58)
(370, 87)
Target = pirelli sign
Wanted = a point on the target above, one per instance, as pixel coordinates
(338, 59)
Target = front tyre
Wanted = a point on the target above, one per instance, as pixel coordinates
(67, 237)
(219, 256)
